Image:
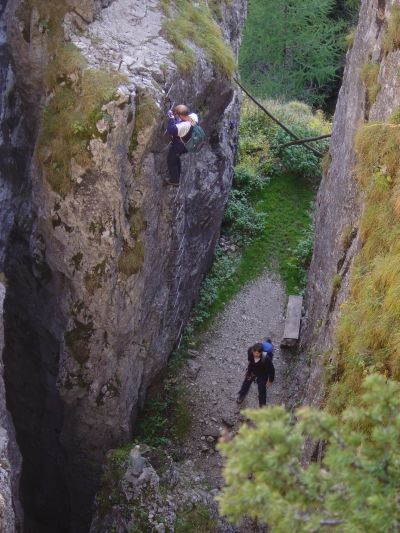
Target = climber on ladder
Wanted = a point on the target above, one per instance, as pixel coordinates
(187, 136)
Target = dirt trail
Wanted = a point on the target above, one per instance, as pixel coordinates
(216, 372)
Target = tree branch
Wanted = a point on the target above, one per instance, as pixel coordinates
(272, 117)
(302, 141)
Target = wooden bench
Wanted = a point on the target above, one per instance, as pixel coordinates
(291, 332)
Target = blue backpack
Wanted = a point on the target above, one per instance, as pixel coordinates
(268, 348)
(197, 139)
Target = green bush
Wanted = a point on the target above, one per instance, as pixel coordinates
(241, 220)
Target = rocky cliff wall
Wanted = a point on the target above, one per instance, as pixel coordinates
(10, 156)
(103, 261)
(339, 201)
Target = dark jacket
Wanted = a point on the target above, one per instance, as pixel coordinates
(263, 369)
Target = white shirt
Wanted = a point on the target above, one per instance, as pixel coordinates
(185, 125)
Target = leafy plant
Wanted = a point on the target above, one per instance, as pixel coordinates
(354, 487)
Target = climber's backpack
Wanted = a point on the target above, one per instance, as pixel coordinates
(197, 139)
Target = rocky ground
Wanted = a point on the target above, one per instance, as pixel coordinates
(215, 373)
(153, 490)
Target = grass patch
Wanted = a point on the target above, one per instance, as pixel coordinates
(391, 40)
(50, 14)
(70, 117)
(369, 74)
(189, 23)
(166, 415)
(93, 280)
(286, 206)
(131, 259)
(368, 329)
(76, 95)
(349, 37)
(146, 113)
(196, 520)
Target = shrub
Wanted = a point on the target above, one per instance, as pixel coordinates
(242, 221)
(355, 485)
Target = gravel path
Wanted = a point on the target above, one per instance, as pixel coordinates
(217, 369)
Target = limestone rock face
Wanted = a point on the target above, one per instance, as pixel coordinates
(102, 278)
(338, 202)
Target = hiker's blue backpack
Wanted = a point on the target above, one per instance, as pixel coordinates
(268, 348)
(197, 139)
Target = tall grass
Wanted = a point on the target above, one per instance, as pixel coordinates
(187, 23)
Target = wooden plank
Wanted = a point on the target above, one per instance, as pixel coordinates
(291, 333)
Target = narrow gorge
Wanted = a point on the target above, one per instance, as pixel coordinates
(101, 262)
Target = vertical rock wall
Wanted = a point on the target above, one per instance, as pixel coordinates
(85, 333)
(339, 203)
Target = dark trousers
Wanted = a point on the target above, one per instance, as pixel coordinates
(174, 160)
(262, 388)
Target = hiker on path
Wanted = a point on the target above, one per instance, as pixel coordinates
(260, 369)
(180, 127)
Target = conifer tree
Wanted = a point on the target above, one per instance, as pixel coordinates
(355, 488)
(291, 48)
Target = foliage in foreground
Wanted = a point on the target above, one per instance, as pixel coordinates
(356, 486)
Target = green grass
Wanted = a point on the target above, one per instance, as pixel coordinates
(195, 520)
(286, 202)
